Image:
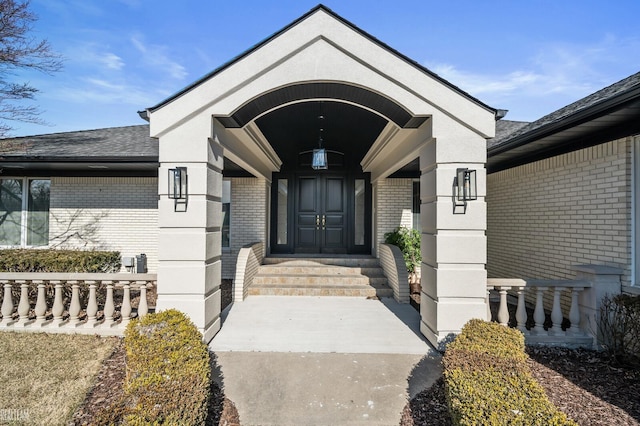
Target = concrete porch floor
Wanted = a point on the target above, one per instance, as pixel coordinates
(322, 360)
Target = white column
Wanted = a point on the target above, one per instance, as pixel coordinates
(454, 278)
(189, 252)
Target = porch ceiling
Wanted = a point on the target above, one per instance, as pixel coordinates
(347, 128)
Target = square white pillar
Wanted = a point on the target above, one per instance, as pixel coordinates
(453, 245)
(190, 245)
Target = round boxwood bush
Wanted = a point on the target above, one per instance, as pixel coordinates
(168, 373)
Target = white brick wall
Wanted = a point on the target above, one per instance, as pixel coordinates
(106, 213)
(249, 207)
(394, 200)
(571, 209)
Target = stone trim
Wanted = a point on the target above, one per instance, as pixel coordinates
(395, 270)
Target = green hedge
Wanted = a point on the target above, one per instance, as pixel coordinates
(52, 260)
(487, 380)
(168, 372)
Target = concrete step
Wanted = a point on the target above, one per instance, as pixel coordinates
(323, 279)
(350, 261)
(354, 290)
(355, 276)
(317, 269)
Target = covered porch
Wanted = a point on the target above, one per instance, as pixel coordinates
(385, 120)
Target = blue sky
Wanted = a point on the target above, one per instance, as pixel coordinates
(530, 57)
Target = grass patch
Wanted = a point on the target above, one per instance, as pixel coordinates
(45, 377)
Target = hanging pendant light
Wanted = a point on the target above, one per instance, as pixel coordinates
(319, 159)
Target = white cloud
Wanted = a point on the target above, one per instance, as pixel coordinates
(112, 61)
(556, 75)
(156, 56)
(94, 56)
(91, 90)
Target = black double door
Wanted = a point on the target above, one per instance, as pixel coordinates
(321, 214)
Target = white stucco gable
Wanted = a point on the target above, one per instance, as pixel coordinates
(322, 47)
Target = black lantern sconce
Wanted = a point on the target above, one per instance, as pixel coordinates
(465, 189)
(178, 187)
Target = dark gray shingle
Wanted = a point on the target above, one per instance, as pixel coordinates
(593, 100)
(130, 143)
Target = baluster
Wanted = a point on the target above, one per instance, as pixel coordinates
(41, 306)
(538, 313)
(488, 304)
(7, 306)
(92, 305)
(503, 311)
(556, 314)
(24, 306)
(109, 307)
(521, 312)
(574, 313)
(142, 305)
(74, 307)
(125, 310)
(58, 307)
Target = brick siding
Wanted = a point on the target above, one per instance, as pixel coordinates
(106, 213)
(574, 208)
(248, 224)
(394, 200)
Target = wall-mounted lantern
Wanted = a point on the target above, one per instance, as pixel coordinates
(465, 189)
(178, 186)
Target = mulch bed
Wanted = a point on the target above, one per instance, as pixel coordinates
(108, 389)
(587, 386)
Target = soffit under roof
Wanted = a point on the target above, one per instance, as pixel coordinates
(615, 124)
(608, 114)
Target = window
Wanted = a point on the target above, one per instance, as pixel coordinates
(282, 224)
(226, 213)
(360, 201)
(24, 212)
(415, 208)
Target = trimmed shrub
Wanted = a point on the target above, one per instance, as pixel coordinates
(168, 374)
(408, 241)
(487, 380)
(53, 260)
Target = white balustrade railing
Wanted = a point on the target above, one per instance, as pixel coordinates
(105, 309)
(518, 290)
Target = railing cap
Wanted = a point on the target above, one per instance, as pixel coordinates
(75, 276)
(558, 283)
(506, 282)
(598, 269)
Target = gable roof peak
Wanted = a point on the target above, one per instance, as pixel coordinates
(319, 8)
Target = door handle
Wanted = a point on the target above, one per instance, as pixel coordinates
(323, 221)
(317, 221)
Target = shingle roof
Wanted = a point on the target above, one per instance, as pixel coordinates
(505, 128)
(599, 98)
(130, 143)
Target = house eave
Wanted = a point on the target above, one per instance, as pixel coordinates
(530, 140)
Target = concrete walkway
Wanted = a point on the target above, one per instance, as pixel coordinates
(322, 360)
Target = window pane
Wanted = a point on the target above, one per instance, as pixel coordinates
(38, 212)
(359, 211)
(416, 205)
(10, 211)
(283, 191)
(226, 213)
